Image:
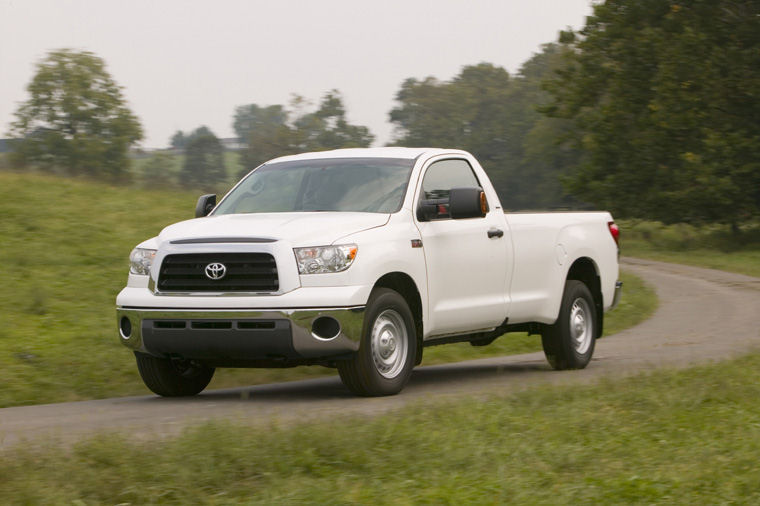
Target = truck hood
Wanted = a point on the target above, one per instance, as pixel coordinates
(300, 229)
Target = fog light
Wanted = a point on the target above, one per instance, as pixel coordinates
(125, 328)
(325, 328)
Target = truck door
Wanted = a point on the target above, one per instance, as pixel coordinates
(468, 260)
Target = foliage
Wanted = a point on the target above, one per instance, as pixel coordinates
(273, 130)
(266, 132)
(327, 127)
(714, 246)
(668, 437)
(65, 250)
(493, 115)
(76, 119)
(146, 168)
(159, 169)
(204, 160)
(663, 99)
(178, 140)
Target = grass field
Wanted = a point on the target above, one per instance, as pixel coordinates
(675, 437)
(64, 256)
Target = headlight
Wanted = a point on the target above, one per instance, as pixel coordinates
(140, 261)
(324, 259)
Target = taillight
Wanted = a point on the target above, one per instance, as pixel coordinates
(614, 231)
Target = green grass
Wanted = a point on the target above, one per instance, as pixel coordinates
(685, 437)
(712, 246)
(64, 253)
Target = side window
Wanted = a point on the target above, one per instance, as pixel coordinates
(441, 177)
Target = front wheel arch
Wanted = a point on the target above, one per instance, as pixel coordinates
(385, 359)
(405, 286)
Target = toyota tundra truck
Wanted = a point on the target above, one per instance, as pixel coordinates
(358, 259)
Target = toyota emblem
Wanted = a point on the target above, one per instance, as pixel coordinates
(215, 271)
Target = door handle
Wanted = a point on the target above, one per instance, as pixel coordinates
(495, 232)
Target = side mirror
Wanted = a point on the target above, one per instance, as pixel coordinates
(205, 204)
(467, 203)
(431, 209)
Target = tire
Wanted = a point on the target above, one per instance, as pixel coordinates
(387, 350)
(569, 342)
(172, 378)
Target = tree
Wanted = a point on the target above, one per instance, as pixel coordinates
(251, 118)
(327, 127)
(178, 140)
(266, 132)
(663, 99)
(273, 130)
(76, 119)
(470, 112)
(486, 111)
(204, 160)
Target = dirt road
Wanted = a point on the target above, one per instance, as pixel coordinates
(704, 315)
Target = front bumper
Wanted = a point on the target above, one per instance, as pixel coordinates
(242, 337)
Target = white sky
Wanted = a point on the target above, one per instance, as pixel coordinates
(184, 63)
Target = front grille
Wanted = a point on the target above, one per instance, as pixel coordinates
(245, 272)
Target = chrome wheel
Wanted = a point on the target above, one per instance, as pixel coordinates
(581, 325)
(390, 343)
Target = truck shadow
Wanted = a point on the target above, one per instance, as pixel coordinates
(434, 379)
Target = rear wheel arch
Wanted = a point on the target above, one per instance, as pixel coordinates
(585, 270)
(405, 286)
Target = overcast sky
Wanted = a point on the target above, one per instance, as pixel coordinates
(186, 63)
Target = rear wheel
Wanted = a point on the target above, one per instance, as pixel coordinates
(387, 350)
(173, 378)
(569, 343)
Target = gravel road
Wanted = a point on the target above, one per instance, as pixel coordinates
(703, 315)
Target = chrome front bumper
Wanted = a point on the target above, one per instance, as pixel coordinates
(237, 336)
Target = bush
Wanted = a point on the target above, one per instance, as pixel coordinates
(686, 237)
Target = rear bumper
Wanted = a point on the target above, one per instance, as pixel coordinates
(241, 337)
(618, 294)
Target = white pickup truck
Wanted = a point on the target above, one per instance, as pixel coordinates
(358, 259)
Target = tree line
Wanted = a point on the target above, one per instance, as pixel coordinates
(650, 110)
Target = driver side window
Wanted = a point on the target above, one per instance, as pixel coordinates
(441, 177)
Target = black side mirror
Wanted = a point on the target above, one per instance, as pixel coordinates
(205, 204)
(431, 209)
(467, 203)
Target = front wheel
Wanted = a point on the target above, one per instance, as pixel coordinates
(173, 378)
(388, 346)
(569, 342)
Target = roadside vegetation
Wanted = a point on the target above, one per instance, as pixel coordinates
(163, 170)
(677, 437)
(65, 248)
(714, 246)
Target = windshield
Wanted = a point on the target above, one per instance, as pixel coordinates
(373, 185)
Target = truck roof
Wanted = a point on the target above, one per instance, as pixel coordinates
(387, 152)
